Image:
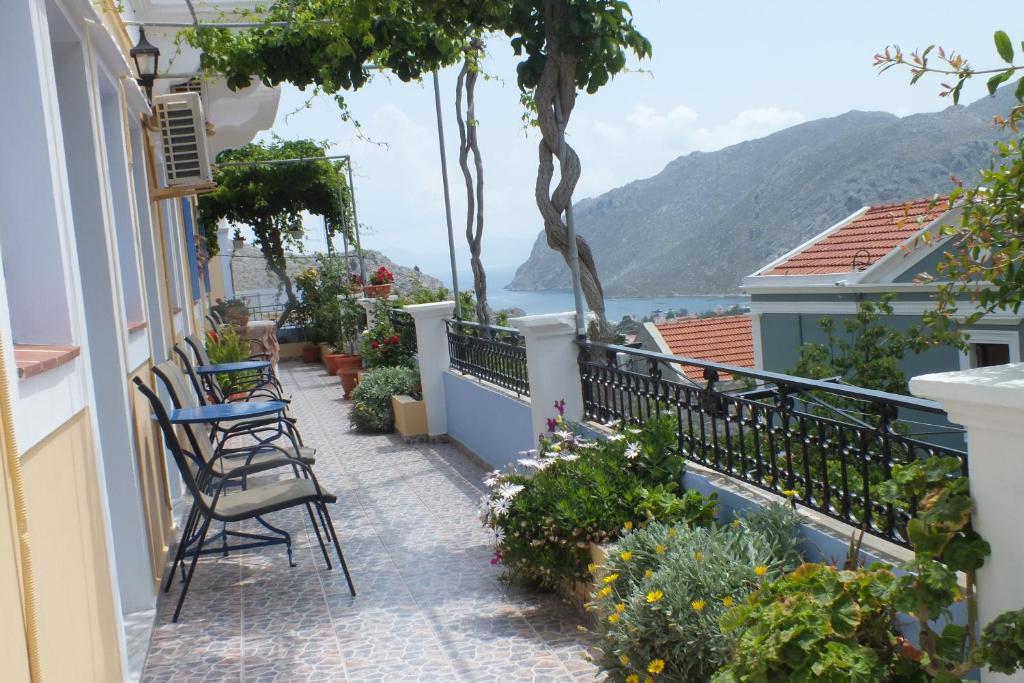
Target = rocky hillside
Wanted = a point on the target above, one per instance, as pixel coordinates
(249, 271)
(709, 219)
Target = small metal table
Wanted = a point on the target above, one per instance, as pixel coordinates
(225, 411)
(209, 414)
(239, 366)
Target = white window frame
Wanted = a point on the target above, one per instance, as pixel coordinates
(1009, 337)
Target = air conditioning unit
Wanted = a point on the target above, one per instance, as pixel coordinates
(183, 138)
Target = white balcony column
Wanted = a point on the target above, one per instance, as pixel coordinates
(553, 367)
(432, 344)
(368, 306)
(989, 403)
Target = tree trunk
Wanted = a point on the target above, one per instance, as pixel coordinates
(269, 238)
(468, 143)
(557, 84)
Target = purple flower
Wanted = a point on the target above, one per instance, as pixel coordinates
(496, 559)
(552, 424)
(560, 407)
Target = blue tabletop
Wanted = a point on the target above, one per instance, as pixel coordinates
(226, 411)
(233, 367)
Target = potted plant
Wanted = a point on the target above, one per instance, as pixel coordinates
(234, 311)
(238, 240)
(380, 284)
(304, 315)
(346, 317)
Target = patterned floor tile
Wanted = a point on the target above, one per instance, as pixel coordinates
(430, 606)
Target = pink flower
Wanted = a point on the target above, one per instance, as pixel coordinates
(496, 559)
(552, 424)
(560, 407)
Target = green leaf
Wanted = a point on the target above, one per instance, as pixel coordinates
(998, 80)
(1004, 47)
(1019, 93)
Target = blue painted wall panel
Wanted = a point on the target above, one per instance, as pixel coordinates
(492, 424)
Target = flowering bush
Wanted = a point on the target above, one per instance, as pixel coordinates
(665, 587)
(549, 507)
(371, 400)
(381, 346)
(382, 276)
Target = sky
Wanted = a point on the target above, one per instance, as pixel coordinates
(720, 73)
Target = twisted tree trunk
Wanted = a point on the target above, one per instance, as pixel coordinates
(555, 95)
(269, 238)
(468, 143)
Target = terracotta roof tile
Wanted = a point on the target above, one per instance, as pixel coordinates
(863, 240)
(726, 339)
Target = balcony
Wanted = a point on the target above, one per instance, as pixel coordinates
(430, 606)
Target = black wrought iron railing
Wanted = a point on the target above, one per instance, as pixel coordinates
(404, 326)
(494, 354)
(824, 444)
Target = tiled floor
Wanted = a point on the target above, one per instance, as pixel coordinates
(430, 606)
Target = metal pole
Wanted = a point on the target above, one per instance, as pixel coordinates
(447, 198)
(570, 223)
(355, 219)
(275, 162)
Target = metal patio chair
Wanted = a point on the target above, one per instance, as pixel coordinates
(262, 430)
(207, 479)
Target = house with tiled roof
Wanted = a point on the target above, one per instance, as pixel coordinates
(721, 339)
(876, 250)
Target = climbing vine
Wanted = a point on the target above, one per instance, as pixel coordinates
(270, 198)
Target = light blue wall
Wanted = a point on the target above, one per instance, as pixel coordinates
(492, 424)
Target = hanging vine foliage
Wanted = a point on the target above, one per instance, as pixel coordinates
(270, 198)
(565, 45)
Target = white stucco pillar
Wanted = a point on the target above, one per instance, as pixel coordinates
(432, 344)
(989, 403)
(551, 361)
(367, 305)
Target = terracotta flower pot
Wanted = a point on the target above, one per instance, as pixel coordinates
(349, 379)
(377, 291)
(310, 353)
(338, 361)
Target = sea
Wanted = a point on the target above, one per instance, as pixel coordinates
(559, 300)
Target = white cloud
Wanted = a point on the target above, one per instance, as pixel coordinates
(650, 120)
(747, 125)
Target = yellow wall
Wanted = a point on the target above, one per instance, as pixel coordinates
(77, 624)
(13, 650)
(156, 496)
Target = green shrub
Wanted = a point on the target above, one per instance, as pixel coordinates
(821, 623)
(548, 508)
(371, 400)
(665, 587)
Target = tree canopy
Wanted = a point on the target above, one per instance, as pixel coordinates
(270, 198)
(565, 45)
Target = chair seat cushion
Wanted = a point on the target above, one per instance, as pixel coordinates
(235, 505)
(261, 462)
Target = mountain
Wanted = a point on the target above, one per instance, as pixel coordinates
(711, 218)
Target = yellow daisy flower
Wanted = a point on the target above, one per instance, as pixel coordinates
(649, 680)
(621, 607)
(604, 592)
(656, 666)
(736, 524)
(648, 573)
(591, 567)
(698, 605)
(760, 570)
(698, 556)
(654, 596)
(626, 556)
(672, 532)
(632, 678)
(624, 660)
(613, 617)
(611, 578)
(727, 601)
(659, 549)
(628, 526)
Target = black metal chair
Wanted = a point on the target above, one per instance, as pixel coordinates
(206, 480)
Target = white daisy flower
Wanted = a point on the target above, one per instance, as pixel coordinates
(499, 534)
(632, 451)
(531, 463)
(508, 491)
(616, 437)
(500, 508)
(569, 457)
(564, 435)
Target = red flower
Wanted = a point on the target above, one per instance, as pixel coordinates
(375, 344)
(213, 336)
(395, 339)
